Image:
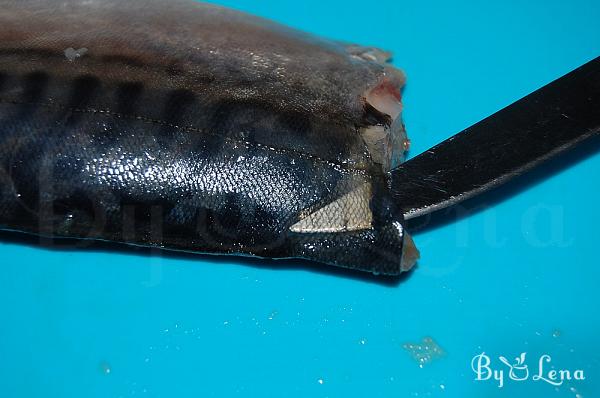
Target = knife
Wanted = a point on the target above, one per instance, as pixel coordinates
(507, 144)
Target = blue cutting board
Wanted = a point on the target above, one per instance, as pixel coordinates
(520, 274)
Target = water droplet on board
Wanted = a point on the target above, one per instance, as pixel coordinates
(105, 368)
(425, 352)
(556, 334)
(574, 391)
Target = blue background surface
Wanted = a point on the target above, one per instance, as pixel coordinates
(520, 274)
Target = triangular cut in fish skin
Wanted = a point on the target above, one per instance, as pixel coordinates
(351, 212)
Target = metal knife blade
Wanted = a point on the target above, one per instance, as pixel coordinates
(502, 146)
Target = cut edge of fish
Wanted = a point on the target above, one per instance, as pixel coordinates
(387, 142)
(410, 254)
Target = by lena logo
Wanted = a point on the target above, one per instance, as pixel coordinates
(518, 370)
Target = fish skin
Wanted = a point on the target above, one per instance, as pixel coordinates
(188, 127)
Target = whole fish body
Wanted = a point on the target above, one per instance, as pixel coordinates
(189, 126)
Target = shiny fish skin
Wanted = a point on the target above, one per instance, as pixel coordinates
(192, 127)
